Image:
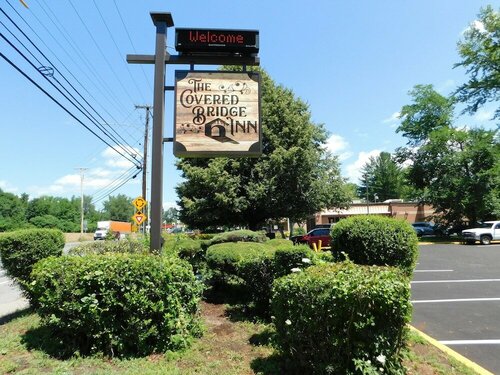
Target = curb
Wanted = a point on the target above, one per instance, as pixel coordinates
(460, 358)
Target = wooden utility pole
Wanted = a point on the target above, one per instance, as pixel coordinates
(146, 136)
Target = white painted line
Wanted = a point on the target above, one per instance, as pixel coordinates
(456, 300)
(470, 342)
(433, 271)
(456, 281)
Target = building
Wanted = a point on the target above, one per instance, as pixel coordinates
(396, 208)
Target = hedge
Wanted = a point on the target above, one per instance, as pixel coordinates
(103, 247)
(242, 235)
(20, 250)
(342, 319)
(117, 304)
(375, 240)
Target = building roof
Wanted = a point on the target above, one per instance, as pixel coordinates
(360, 209)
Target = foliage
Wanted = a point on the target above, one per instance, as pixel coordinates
(428, 112)
(376, 240)
(480, 58)
(192, 251)
(382, 179)
(117, 304)
(295, 177)
(171, 215)
(21, 249)
(342, 319)
(279, 242)
(242, 235)
(118, 208)
(103, 247)
(457, 169)
(12, 211)
(291, 257)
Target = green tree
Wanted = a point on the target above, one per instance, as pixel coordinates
(12, 211)
(480, 55)
(455, 169)
(382, 178)
(171, 215)
(295, 177)
(118, 208)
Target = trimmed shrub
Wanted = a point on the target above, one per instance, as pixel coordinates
(239, 236)
(117, 304)
(103, 247)
(342, 319)
(288, 258)
(225, 257)
(20, 250)
(192, 251)
(279, 242)
(376, 240)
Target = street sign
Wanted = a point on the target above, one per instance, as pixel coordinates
(139, 203)
(243, 42)
(139, 218)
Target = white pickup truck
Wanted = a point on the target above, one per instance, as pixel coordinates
(484, 233)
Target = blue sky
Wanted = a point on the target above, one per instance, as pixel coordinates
(352, 62)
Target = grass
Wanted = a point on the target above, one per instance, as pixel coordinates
(233, 344)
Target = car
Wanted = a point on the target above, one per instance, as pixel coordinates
(424, 228)
(316, 235)
(484, 233)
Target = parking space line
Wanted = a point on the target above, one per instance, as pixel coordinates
(470, 342)
(433, 271)
(456, 300)
(456, 281)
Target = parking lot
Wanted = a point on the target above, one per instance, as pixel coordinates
(456, 299)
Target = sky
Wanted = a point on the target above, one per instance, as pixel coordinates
(352, 62)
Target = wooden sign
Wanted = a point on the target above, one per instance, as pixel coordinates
(217, 114)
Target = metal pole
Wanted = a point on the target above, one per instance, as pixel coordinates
(161, 21)
(82, 171)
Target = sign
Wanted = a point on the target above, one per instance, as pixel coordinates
(139, 203)
(217, 114)
(244, 42)
(139, 218)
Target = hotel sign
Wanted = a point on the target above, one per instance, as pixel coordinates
(217, 114)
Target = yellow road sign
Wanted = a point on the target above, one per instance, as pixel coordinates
(139, 218)
(139, 203)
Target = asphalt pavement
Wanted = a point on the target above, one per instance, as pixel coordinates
(456, 299)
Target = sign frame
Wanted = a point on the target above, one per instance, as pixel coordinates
(255, 149)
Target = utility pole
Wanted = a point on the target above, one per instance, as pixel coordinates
(144, 162)
(82, 172)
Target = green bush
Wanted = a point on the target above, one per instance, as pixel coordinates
(238, 236)
(192, 251)
(376, 240)
(117, 304)
(225, 257)
(342, 319)
(20, 250)
(279, 242)
(127, 246)
(290, 257)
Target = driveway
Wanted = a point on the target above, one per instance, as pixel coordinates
(456, 299)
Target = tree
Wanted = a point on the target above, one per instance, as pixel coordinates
(171, 215)
(382, 178)
(456, 169)
(295, 177)
(481, 60)
(428, 112)
(12, 211)
(118, 208)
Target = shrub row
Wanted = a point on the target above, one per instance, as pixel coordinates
(20, 250)
(127, 246)
(117, 304)
(342, 319)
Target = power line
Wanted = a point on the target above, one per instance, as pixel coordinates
(59, 104)
(131, 176)
(91, 118)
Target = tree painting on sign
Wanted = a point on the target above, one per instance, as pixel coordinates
(217, 114)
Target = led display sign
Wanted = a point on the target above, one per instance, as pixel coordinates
(244, 42)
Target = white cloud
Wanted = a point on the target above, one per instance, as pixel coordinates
(445, 86)
(114, 160)
(354, 170)
(5, 186)
(484, 115)
(336, 144)
(393, 118)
